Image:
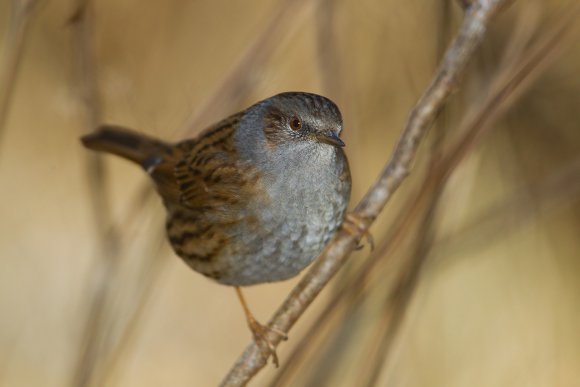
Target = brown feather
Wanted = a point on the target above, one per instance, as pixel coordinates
(202, 182)
(214, 186)
(126, 143)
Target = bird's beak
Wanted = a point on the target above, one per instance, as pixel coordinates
(330, 138)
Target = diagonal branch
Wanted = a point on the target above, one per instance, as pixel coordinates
(448, 76)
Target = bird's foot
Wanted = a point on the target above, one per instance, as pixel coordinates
(354, 225)
(260, 333)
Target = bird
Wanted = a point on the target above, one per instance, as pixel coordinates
(253, 198)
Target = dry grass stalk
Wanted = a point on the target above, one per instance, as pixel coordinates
(13, 44)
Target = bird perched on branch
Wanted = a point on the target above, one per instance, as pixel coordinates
(255, 197)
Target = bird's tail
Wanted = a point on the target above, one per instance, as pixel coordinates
(143, 150)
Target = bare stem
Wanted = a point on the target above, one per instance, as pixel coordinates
(241, 78)
(94, 334)
(448, 76)
(11, 53)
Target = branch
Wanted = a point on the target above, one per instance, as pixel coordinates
(336, 253)
(513, 80)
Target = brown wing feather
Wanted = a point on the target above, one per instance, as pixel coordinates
(211, 190)
(204, 186)
(211, 176)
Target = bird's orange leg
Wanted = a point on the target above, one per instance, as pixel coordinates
(259, 331)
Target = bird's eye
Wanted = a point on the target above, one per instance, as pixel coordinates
(296, 123)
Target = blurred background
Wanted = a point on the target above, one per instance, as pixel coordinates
(475, 276)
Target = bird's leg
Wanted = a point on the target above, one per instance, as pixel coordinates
(354, 225)
(260, 331)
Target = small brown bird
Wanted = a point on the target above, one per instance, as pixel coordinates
(254, 198)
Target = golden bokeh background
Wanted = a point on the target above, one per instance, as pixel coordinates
(90, 293)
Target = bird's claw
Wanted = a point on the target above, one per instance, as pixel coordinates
(260, 333)
(354, 225)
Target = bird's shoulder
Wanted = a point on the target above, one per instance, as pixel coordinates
(210, 173)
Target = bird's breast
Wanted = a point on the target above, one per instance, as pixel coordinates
(304, 207)
(296, 209)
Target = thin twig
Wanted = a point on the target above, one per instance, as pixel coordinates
(241, 77)
(333, 352)
(94, 332)
(334, 256)
(148, 272)
(399, 298)
(557, 189)
(513, 80)
(13, 45)
(505, 87)
(329, 64)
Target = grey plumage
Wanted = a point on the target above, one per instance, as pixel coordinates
(254, 198)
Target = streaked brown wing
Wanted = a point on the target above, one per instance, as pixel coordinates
(214, 188)
(210, 176)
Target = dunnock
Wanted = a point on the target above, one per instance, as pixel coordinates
(254, 198)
